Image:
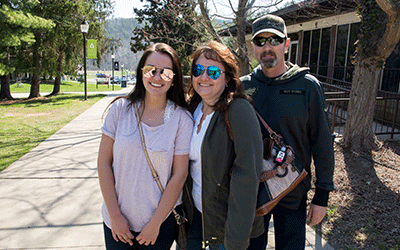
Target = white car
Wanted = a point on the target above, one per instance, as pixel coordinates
(131, 81)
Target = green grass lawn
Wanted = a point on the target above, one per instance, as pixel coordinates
(66, 86)
(26, 123)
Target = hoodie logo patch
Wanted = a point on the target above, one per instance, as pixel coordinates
(292, 92)
(252, 91)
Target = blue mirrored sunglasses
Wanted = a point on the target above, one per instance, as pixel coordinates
(212, 71)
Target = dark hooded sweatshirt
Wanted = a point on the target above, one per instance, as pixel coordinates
(294, 106)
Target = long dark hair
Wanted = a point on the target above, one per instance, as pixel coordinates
(216, 51)
(175, 93)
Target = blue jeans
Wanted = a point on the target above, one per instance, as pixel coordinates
(289, 227)
(195, 237)
(164, 240)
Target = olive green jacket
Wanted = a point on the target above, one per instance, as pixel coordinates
(229, 200)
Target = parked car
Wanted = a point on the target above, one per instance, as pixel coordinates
(101, 75)
(131, 81)
(115, 80)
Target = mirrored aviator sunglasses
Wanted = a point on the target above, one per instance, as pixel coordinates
(212, 71)
(150, 71)
(273, 40)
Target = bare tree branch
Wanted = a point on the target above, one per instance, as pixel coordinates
(391, 7)
(208, 25)
(392, 34)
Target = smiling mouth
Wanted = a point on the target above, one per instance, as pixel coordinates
(156, 85)
(204, 85)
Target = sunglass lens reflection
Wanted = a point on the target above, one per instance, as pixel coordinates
(273, 40)
(149, 71)
(213, 72)
(166, 74)
(198, 70)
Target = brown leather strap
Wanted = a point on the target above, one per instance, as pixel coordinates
(270, 131)
(289, 158)
(276, 137)
(268, 175)
(228, 125)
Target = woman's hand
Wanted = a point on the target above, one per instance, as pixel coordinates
(149, 234)
(120, 230)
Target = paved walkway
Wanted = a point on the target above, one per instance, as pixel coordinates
(50, 198)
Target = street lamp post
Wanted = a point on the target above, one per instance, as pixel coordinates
(84, 30)
(122, 76)
(112, 66)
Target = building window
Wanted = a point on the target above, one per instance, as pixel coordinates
(306, 48)
(293, 48)
(315, 42)
(341, 52)
(324, 52)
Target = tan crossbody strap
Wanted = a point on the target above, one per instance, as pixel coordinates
(153, 171)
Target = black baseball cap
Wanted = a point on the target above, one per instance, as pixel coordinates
(269, 23)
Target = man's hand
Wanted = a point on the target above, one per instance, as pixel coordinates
(315, 214)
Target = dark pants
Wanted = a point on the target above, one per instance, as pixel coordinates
(289, 227)
(195, 237)
(164, 240)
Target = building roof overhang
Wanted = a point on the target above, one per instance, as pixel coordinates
(304, 12)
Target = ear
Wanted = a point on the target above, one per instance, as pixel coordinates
(287, 44)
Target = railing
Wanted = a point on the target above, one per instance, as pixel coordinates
(386, 118)
(343, 76)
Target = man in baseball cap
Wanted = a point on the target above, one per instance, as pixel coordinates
(292, 102)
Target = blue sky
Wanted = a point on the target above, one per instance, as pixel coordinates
(124, 8)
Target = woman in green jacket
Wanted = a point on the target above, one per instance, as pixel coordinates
(225, 173)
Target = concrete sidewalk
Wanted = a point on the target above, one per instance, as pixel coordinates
(50, 198)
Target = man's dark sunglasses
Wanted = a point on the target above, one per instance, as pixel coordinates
(273, 40)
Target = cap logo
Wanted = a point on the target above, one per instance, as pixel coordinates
(268, 24)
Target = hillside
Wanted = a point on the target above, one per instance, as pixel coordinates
(120, 28)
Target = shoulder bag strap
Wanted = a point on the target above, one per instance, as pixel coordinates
(153, 171)
(272, 133)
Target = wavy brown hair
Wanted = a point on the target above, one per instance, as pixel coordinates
(216, 51)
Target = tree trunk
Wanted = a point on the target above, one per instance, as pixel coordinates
(244, 63)
(358, 129)
(35, 83)
(5, 88)
(35, 86)
(57, 81)
(5, 92)
(379, 34)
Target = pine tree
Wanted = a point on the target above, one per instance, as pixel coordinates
(17, 25)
